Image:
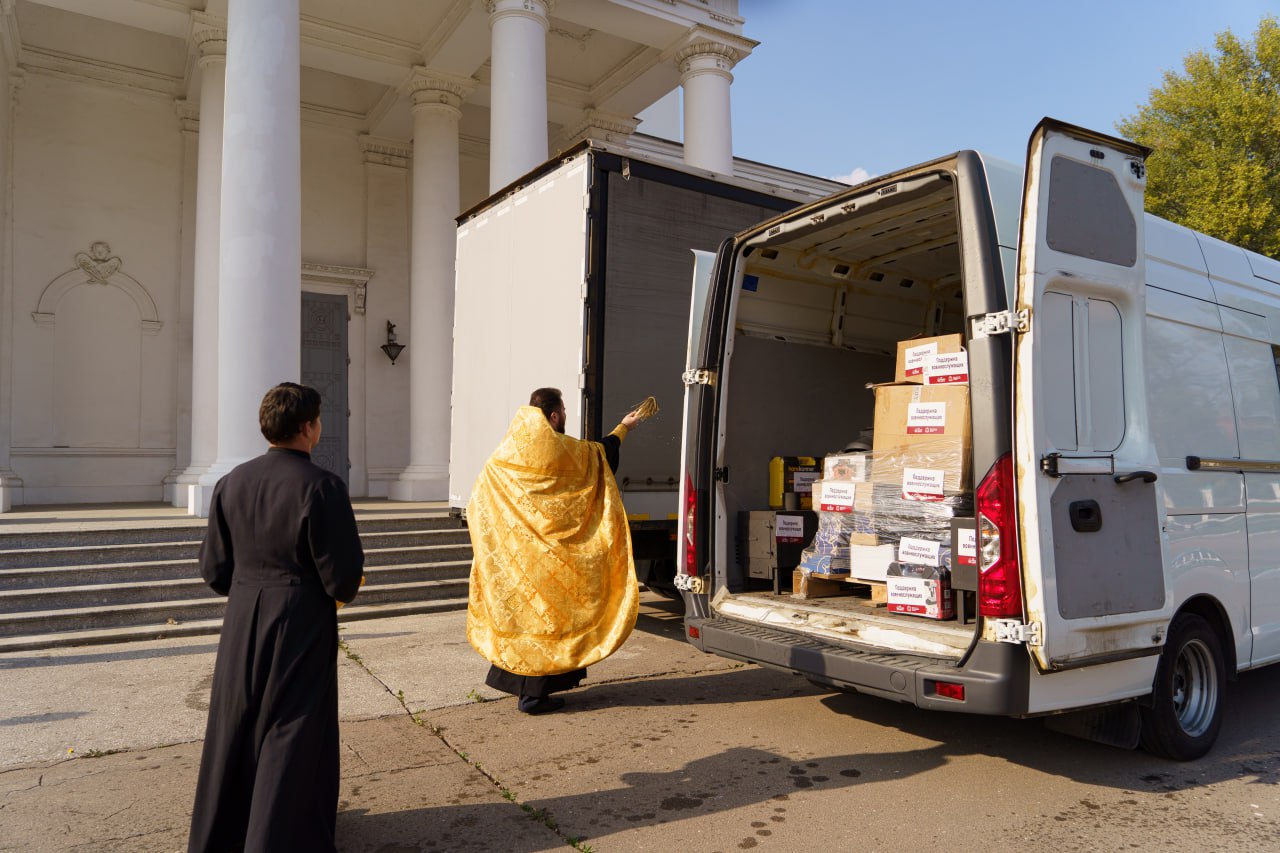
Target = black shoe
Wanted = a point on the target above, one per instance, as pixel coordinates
(543, 705)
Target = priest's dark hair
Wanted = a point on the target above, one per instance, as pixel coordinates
(547, 399)
(285, 409)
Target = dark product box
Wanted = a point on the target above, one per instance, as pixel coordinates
(964, 553)
(920, 591)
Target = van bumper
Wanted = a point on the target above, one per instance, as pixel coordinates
(996, 676)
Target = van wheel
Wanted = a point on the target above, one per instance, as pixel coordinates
(1186, 702)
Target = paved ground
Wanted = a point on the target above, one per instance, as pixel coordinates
(662, 749)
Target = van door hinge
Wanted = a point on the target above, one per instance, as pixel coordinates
(698, 377)
(1001, 322)
(721, 475)
(1009, 631)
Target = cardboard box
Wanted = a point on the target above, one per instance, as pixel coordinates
(913, 354)
(920, 591)
(843, 496)
(871, 562)
(922, 441)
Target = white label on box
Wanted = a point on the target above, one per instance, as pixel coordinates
(802, 481)
(916, 356)
(922, 484)
(920, 552)
(926, 418)
(836, 496)
(789, 528)
(948, 368)
(967, 540)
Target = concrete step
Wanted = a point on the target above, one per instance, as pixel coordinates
(171, 612)
(158, 631)
(119, 592)
(29, 568)
(193, 531)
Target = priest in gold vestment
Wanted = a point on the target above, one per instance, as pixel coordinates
(553, 587)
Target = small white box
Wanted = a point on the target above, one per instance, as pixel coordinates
(871, 562)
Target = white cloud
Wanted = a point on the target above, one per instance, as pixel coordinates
(857, 176)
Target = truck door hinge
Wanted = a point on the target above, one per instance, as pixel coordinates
(1009, 631)
(700, 376)
(1001, 322)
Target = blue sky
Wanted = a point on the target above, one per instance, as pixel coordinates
(843, 85)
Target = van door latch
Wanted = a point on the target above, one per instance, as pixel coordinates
(701, 376)
(1001, 322)
(1009, 631)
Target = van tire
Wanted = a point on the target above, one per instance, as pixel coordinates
(1185, 712)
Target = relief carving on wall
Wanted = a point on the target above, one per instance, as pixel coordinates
(97, 267)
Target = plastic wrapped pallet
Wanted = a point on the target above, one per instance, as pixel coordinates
(838, 520)
(896, 517)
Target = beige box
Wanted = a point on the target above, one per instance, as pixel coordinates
(922, 440)
(913, 354)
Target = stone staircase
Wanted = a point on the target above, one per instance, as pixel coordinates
(81, 587)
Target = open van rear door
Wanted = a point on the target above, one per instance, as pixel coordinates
(1089, 501)
(694, 376)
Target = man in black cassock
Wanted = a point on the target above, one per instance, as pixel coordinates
(534, 691)
(282, 546)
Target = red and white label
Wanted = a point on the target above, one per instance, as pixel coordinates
(915, 357)
(789, 529)
(926, 418)
(948, 368)
(836, 496)
(920, 552)
(967, 543)
(802, 481)
(923, 484)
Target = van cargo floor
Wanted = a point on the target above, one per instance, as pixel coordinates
(849, 618)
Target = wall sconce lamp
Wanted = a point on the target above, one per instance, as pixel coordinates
(391, 348)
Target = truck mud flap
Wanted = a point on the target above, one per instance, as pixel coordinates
(995, 676)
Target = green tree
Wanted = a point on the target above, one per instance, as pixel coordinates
(1215, 129)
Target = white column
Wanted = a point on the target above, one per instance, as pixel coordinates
(518, 88)
(436, 109)
(260, 233)
(189, 124)
(705, 78)
(204, 310)
(10, 84)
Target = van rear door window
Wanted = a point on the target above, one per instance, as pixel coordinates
(1089, 215)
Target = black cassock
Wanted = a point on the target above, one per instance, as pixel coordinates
(541, 686)
(281, 545)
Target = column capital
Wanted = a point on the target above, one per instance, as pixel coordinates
(188, 115)
(208, 39)
(535, 10)
(704, 56)
(437, 90)
(382, 151)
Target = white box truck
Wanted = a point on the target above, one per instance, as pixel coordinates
(1125, 439)
(577, 277)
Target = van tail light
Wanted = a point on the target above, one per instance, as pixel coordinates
(690, 528)
(999, 576)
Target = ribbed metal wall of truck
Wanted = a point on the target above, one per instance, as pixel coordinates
(1125, 422)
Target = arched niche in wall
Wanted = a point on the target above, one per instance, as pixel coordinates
(97, 317)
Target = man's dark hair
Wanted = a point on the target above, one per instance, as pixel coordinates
(285, 409)
(547, 399)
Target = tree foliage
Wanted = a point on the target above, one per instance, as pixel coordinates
(1215, 129)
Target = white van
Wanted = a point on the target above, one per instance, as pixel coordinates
(1125, 422)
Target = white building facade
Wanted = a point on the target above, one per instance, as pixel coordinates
(205, 197)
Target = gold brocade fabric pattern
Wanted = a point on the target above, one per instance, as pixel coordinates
(553, 587)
